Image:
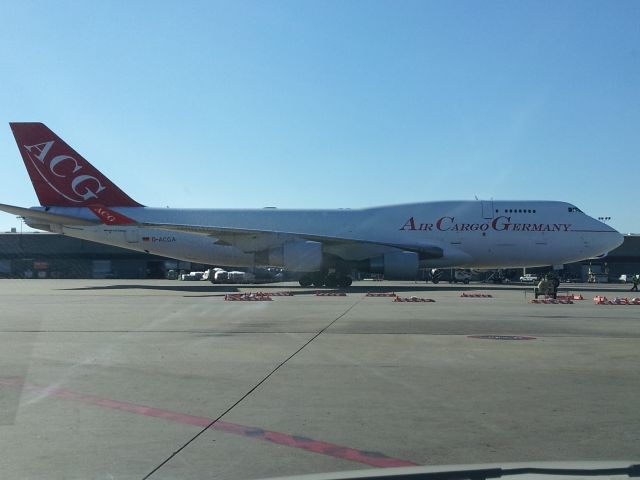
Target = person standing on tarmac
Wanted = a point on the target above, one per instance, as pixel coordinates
(635, 280)
(555, 282)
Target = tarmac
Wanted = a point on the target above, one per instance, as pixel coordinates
(135, 379)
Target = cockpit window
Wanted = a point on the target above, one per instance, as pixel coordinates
(574, 210)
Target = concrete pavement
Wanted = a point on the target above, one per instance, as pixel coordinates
(108, 379)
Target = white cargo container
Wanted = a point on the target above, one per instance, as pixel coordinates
(240, 277)
(193, 276)
(220, 276)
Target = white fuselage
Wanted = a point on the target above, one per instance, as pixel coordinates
(471, 234)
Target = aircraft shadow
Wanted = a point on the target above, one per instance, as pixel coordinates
(208, 288)
(446, 287)
(388, 288)
(595, 287)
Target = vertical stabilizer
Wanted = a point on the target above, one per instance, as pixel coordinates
(61, 176)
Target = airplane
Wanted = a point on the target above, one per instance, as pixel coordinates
(324, 246)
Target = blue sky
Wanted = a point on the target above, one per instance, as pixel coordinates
(332, 103)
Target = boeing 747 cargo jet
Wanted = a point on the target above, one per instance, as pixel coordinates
(325, 245)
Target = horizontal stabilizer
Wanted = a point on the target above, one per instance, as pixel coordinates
(46, 217)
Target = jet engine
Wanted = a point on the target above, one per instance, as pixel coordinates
(400, 264)
(296, 256)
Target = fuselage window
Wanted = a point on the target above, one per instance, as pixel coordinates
(523, 210)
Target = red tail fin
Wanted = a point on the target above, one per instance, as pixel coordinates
(60, 175)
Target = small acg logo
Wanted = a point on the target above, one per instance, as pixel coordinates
(105, 214)
(66, 173)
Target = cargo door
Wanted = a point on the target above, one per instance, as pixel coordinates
(487, 209)
(131, 235)
(484, 242)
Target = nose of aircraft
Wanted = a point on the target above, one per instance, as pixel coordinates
(607, 238)
(614, 239)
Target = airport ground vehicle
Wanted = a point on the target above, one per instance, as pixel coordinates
(626, 278)
(528, 278)
(463, 276)
(453, 275)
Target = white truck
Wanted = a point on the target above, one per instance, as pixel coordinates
(529, 278)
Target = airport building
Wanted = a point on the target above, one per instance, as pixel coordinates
(48, 255)
(624, 260)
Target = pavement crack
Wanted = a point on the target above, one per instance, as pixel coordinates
(250, 391)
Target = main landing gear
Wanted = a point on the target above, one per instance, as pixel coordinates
(330, 280)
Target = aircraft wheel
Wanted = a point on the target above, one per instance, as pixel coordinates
(306, 280)
(331, 281)
(344, 281)
(435, 280)
(466, 281)
(318, 280)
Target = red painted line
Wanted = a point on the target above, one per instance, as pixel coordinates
(374, 459)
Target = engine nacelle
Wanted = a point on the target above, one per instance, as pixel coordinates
(400, 264)
(298, 256)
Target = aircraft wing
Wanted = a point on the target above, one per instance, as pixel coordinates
(425, 251)
(46, 217)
